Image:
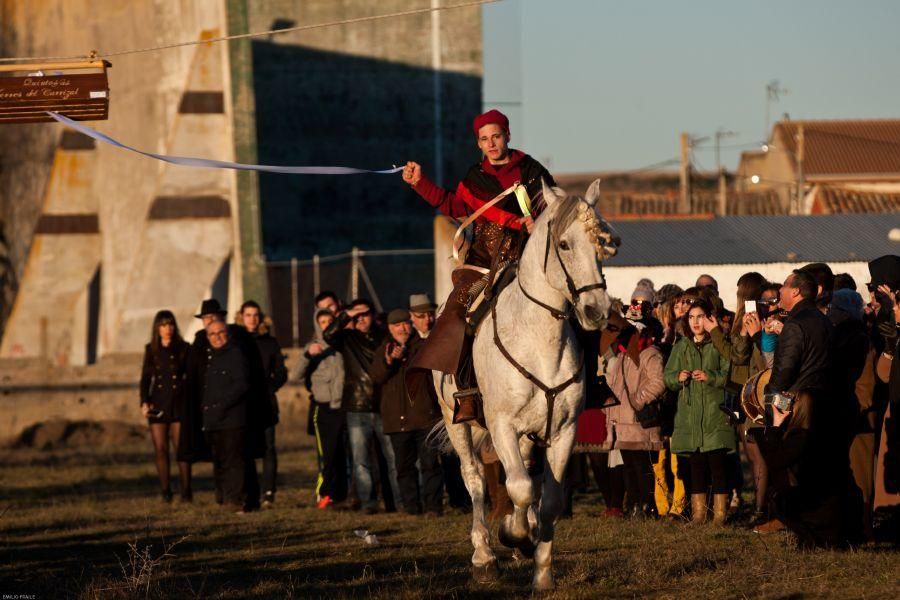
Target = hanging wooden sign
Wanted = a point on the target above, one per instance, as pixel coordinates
(78, 90)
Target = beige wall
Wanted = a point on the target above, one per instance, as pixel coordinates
(145, 91)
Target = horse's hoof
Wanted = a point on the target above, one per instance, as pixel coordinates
(486, 573)
(543, 586)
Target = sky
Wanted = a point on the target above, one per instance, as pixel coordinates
(596, 85)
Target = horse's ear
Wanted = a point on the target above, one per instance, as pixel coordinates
(593, 192)
(548, 193)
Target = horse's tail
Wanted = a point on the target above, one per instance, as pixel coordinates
(439, 439)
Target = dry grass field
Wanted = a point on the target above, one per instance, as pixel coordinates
(86, 523)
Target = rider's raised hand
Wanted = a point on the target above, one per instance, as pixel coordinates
(412, 173)
(527, 223)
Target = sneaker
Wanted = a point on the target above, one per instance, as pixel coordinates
(269, 500)
(324, 502)
(166, 496)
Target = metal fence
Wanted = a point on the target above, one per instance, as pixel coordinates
(386, 277)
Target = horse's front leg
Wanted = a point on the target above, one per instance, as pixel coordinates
(514, 529)
(552, 500)
(484, 561)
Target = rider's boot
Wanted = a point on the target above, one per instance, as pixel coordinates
(465, 408)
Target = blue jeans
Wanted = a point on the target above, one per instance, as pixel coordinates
(365, 429)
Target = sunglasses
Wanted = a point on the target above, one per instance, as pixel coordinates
(368, 313)
(687, 300)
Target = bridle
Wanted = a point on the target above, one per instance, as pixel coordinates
(574, 291)
(550, 393)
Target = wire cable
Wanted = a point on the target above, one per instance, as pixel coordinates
(102, 55)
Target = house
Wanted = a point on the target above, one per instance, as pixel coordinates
(827, 166)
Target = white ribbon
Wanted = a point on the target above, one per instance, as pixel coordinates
(190, 161)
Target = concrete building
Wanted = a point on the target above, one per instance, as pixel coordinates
(98, 239)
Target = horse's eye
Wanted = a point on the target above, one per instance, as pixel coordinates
(564, 245)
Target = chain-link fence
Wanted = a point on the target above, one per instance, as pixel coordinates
(386, 277)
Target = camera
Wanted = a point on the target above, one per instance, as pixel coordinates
(779, 400)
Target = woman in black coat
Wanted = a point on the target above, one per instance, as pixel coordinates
(163, 390)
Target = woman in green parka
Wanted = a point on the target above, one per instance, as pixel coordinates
(702, 433)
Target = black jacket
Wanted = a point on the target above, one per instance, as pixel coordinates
(227, 389)
(802, 354)
(192, 446)
(357, 348)
(163, 378)
(273, 367)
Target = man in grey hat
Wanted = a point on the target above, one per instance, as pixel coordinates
(421, 310)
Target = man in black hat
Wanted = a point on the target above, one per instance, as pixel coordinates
(259, 413)
(408, 420)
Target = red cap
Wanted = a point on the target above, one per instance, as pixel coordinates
(492, 116)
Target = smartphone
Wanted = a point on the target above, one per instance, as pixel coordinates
(155, 413)
(749, 306)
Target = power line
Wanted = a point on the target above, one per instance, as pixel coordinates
(96, 55)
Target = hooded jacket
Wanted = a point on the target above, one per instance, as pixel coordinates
(322, 374)
(700, 425)
(635, 385)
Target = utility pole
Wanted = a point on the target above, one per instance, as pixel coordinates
(800, 178)
(684, 201)
(723, 184)
(437, 66)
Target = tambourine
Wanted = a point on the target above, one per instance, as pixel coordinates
(752, 396)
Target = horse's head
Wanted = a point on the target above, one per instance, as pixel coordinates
(575, 240)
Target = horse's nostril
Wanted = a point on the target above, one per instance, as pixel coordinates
(592, 313)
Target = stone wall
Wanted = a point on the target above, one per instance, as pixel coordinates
(34, 391)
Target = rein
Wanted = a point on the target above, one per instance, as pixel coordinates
(550, 393)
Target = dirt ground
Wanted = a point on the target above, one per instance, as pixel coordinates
(85, 521)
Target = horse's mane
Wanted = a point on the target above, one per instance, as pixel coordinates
(565, 212)
(570, 208)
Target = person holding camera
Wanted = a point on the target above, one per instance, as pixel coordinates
(407, 420)
(804, 447)
(885, 289)
(357, 345)
(702, 433)
(162, 391)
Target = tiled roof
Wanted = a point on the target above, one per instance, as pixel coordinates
(756, 239)
(833, 200)
(844, 147)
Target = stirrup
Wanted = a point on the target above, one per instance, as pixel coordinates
(472, 391)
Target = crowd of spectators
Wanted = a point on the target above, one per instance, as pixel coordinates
(800, 378)
(799, 383)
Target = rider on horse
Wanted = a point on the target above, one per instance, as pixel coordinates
(449, 347)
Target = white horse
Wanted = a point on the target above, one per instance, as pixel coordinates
(530, 371)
